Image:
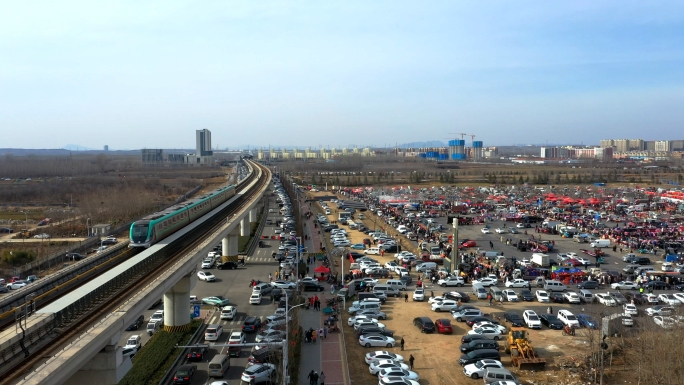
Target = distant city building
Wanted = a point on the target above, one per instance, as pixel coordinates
(576, 153)
(662, 145)
(152, 157)
(308, 153)
(624, 146)
(636, 145)
(106, 147)
(204, 143)
(621, 145)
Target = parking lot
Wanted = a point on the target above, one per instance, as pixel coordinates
(436, 356)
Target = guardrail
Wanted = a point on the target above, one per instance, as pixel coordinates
(172, 368)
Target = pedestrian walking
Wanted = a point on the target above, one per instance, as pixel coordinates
(270, 278)
(405, 297)
(313, 336)
(320, 332)
(311, 377)
(411, 359)
(549, 310)
(325, 335)
(402, 343)
(321, 378)
(315, 378)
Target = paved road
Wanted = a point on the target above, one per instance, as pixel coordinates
(234, 285)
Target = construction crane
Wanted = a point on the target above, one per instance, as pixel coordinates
(472, 139)
(463, 134)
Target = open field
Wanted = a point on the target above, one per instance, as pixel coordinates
(83, 190)
(390, 170)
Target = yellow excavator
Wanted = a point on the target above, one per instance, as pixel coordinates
(522, 353)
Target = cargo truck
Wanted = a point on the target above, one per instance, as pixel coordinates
(541, 260)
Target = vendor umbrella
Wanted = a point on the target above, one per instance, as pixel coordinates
(321, 269)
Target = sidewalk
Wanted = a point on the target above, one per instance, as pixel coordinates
(327, 355)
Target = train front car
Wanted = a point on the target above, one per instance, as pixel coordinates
(140, 234)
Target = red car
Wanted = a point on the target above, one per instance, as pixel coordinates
(469, 244)
(444, 326)
(573, 262)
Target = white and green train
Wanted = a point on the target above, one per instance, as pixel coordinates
(155, 227)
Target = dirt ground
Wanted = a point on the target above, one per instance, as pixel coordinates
(436, 355)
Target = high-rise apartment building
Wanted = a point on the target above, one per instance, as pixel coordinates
(621, 145)
(203, 143)
(636, 145)
(662, 145)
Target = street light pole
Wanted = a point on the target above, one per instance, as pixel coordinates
(286, 376)
(299, 253)
(25, 226)
(87, 228)
(454, 251)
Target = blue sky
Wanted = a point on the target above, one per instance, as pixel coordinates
(338, 73)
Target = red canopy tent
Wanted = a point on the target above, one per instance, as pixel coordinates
(322, 270)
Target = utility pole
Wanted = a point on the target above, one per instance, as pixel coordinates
(454, 252)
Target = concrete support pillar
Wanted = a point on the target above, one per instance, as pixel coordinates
(230, 246)
(177, 305)
(244, 227)
(225, 245)
(107, 367)
(253, 215)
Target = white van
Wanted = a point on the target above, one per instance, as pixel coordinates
(426, 266)
(600, 243)
(499, 375)
(361, 216)
(219, 365)
(389, 291)
(639, 270)
(364, 306)
(479, 291)
(553, 285)
(396, 283)
(372, 251)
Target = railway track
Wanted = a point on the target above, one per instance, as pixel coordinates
(69, 328)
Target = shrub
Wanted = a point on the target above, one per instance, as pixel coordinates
(157, 356)
(17, 257)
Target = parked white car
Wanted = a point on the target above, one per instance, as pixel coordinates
(478, 369)
(517, 283)
(605, 299)
(568, 319)
(531, 319)
(376, 366)
(206, 276)
(542, 296)
(630, 309)
(446, 305)
(376, 340)
(571, 297)
(624, 285)
(451, 281)
(510, 295)
(669, 299)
